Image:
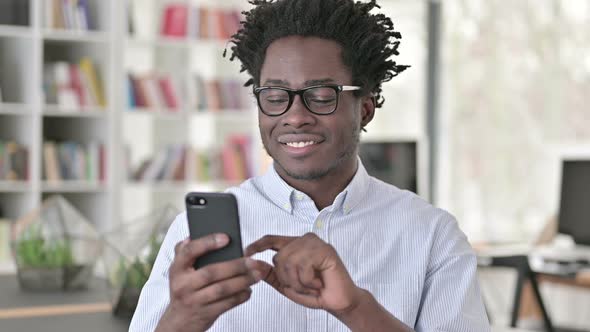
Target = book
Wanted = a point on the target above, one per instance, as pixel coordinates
(235, 158)
(89, 71)
(66, 96)
(73, 161)
(13, 161)
(175, 17)
(168, 92)
(77, 86)
(203, 23)
(72, 85)
(193, 22)
(154, 91)
(66, 14)
(51, 170)
(213, 95)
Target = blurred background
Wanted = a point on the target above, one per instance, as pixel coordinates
(119, 108)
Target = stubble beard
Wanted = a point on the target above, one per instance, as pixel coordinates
(316, 174)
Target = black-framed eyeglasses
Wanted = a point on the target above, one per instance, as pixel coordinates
(319, 99)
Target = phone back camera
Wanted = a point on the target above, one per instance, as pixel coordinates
(196, 201)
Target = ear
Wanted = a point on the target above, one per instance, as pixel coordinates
(367, 110)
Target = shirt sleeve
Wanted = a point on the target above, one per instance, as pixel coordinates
(451, 298)
(155, 295)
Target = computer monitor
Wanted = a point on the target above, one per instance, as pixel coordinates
(392, 162)
(574, 207)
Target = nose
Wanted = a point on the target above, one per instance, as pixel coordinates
(298, 115)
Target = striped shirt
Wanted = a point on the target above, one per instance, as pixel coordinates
(410, 255)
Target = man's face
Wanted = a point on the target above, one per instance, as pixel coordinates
(306, 146)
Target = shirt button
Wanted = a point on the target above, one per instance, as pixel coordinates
(319, 224)
(287, 206)
(299, 197)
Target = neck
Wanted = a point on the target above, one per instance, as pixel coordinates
(323, 191)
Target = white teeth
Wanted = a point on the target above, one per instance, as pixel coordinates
(300, 144)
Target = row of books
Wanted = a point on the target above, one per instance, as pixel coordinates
(215, 95)
(167, 91)
(13, 161)
(73, 85)
(154, 91)
(182, 20)
(179, 163)
(74, 161)
(67, 14)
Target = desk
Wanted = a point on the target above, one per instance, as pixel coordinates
(87, 311)
(525, 274)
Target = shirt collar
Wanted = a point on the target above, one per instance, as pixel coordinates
(281, 193)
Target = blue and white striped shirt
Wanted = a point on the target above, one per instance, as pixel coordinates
(410, 255)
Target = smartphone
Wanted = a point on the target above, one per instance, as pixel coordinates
(209, 213)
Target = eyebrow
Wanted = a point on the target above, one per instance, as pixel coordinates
(307, 83)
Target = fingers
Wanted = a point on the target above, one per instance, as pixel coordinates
(227, 288)
(218, 272)
(309, 278)
(216, 281)
(187, 252)
(273, 242)
(297, 275)
(228, 303)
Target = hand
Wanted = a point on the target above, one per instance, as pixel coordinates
(309, 271)
(199, 297)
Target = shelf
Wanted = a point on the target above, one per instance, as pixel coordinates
(75, 35)
(176, 42)
(72, 186)
(179, 186)
(164, 113)
(158, 42)
(15, 31)
(182, 114)
(15, 109)
(78, 112)
(7, 267)
(14, 186)
(167, 186)
(227, 115)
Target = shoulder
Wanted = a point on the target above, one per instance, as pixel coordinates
(405, 205)
(250, 190)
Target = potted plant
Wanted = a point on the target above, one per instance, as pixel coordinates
(129, 255)
(132, 277)
(54, 248)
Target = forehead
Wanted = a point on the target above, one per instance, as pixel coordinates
(296, 60)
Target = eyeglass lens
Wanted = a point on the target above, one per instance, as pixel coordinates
(321, 100)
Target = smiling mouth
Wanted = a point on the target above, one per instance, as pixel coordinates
(300, 144)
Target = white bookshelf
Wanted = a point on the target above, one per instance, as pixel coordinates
(148, 130)
(25, 115)
(27, 119)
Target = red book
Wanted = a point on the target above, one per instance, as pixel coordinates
(175, 20)
(168, 91)
(204, 17)
(76, 82)
(138, 90)
(220, 31)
